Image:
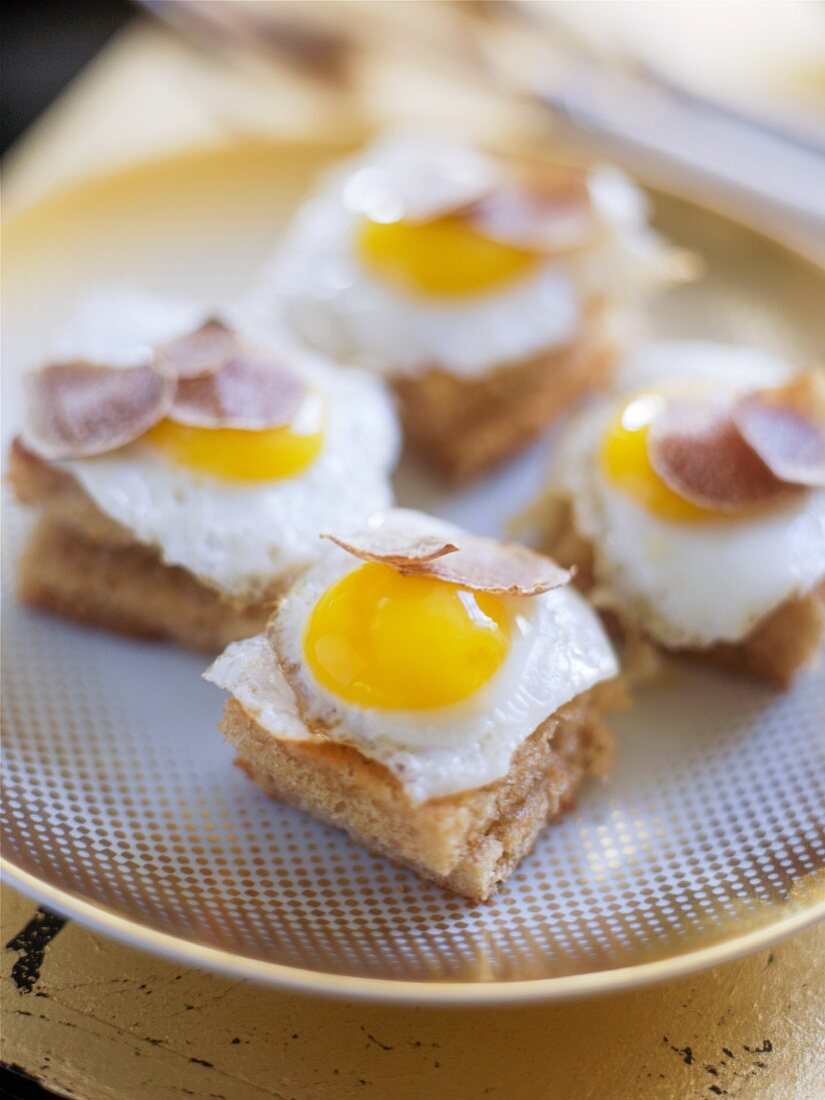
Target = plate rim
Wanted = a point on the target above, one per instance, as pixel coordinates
(141, 936)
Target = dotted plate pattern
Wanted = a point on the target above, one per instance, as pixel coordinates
(119, 791)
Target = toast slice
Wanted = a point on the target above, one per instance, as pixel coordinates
(778, 648)
(465, 426)
(83, 565)
(470, 842)
(128, 589)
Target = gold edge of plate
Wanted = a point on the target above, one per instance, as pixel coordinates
(142, 937)
(138, 935)
(77, 187)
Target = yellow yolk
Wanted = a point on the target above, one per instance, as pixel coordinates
(443, 257)
(626, 462)
(238, 454)
(381, 639)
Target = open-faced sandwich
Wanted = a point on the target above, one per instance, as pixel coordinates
(181, 482)
(692, 503)
(438, 695)
(491, 291)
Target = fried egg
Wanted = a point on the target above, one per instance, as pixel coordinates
(687, 575)
(438, 683)
(398, 294)
(237, 508)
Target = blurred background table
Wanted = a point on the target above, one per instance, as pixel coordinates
(91, 1018)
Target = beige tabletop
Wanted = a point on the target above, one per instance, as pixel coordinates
(92, 1018)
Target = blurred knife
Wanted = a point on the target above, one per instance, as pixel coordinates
(682, 142)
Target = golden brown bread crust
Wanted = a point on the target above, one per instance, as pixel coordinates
(778, 647)
(37, 483)
(781, 645)
(465, 426)
(84, 565)
(128, 589)
(470, 842)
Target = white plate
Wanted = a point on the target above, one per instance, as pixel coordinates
(122, 807)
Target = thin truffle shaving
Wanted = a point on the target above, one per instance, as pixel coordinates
(483, 565)
(786, 428)
(536, 208)
(400, 549)
(728, 454)
(251, 390)
(207, 378)
(79, 409)
(430, 185)
(696, 449)
(539, 213)
(203, 351)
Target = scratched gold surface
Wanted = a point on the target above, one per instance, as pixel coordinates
(104, 1022)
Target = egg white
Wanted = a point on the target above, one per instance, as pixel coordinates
(689, 584)
(321, 290)
(558, 649)
(240, 537)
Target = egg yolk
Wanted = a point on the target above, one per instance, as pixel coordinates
(238, 454)
(381, 639)
(627, 464)
(443, 257)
